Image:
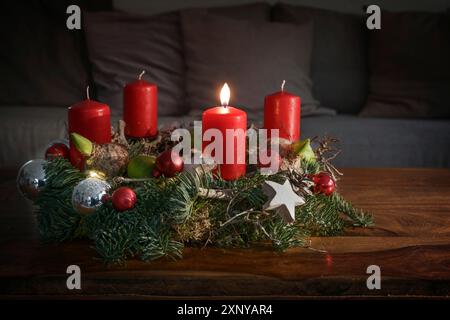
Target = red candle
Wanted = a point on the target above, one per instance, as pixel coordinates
(91, 119)
(282, 111)
(222, 118)
(140, 108)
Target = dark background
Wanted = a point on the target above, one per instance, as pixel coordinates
(354, 6)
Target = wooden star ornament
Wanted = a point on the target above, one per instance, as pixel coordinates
(282, 198)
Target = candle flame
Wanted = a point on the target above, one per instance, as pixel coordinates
(225, 95)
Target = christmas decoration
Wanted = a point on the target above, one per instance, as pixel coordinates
(106, 198)
(200, 168)
(124, 199)
(57, 148)
(303, 149)
(110, 158)
(195, 207)
(87, 195)
(284, 145)
(275, 163)
(323, 183)
(168, 163)
(325, 154)
(283, 199)
(31, 178)
(141, 166)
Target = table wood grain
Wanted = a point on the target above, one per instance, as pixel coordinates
(410, 243)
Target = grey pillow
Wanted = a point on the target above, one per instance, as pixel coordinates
(409, 62)
(339, 55)
(121, 45)
(253, 57)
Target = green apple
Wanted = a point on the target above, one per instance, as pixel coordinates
(303, 149)
(82, 144)
(141, 166)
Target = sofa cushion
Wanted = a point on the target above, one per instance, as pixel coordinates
(41, 61)
(374, 142)
(252, 57)
(121, 45)
(409, 66)
(339, 57)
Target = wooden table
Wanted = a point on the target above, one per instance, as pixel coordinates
(410, 243)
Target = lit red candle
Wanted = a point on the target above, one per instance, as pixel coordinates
(282, 111)
(91, 119)
(226, 118)
(140, 108)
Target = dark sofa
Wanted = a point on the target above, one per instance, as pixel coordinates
(45, 68)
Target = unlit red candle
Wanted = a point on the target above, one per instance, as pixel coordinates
(282, 111)
(140, 109)
(91, 119)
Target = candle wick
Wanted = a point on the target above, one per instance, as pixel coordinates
(87, 93)
(282, 85)
(142, 73)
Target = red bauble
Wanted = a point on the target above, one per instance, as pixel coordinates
(124, 199)
(106, 198)
(57, 150)
(168, 163)
(323, 183)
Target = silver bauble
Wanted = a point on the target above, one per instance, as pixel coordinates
(87, 195)
(31, 178)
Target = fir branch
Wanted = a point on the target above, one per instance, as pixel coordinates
(155, 240)
(310, 167)
(118, 236)
(285, 236)
(192, 207)
(358, 218)
(319, 217)
(184, 191)
(57, 220)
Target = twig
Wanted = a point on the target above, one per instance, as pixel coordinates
(119, 180)
(264, 230)
(214, 193)
(122, 138)
(232, 218)
(243, 213)
(314, 249)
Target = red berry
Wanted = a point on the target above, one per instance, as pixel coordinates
(169, 163)
(76, 159)
(315, 178)
(106, 198)
(124, 199)
(323, 183)
(156, 173)
(57, 150)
